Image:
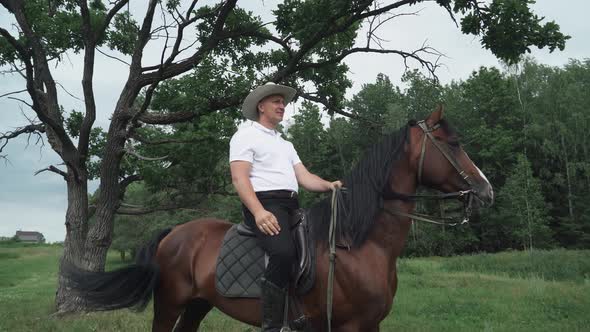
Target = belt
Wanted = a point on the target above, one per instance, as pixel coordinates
(276, 194)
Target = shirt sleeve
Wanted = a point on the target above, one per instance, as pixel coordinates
(240, 148)
(294, 156)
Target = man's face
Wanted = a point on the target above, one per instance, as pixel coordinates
(272, 109)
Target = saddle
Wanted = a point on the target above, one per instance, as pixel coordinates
(241, 262)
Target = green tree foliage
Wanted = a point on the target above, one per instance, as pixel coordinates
(371, 104)
(134, 228)
(522, 213)
(308, 136)
(557, 142)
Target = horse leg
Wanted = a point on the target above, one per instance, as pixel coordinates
(165, 315)
(355, 327)
(170, 300)
(192, 316)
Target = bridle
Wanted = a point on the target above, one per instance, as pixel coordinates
(466, 195)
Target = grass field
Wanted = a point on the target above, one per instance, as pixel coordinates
(517, 291)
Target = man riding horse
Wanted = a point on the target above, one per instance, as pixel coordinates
(266, 171)
(178, 266)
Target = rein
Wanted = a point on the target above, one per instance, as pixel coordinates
(440, 220)
(336, 199)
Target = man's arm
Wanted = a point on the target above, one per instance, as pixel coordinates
(313, 182)
(240, 175)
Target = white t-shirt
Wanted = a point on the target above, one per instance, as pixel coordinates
(272, 157)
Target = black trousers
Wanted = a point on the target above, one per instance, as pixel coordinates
(279, 248)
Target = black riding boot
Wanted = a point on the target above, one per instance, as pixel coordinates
(273, 306)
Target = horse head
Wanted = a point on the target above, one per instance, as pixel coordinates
(439, 161)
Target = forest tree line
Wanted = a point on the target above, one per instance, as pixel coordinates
(524, 126)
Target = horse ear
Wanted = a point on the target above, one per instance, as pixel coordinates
(436, 116)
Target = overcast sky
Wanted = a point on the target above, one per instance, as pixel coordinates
(38, 203)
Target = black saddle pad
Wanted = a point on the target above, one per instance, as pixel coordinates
(239, 266)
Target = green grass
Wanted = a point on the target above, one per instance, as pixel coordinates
(501, 292)
(513, 291)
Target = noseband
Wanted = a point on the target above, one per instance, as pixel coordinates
(467, 195)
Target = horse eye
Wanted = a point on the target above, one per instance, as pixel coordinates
(454, 144)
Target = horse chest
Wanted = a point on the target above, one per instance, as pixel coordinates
(367, 279)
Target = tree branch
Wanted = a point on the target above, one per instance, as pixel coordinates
(42, 87)
(259, 34)
(331, 109)
(34, 128)
(22, 101)
(177, 117)
(66, 91)
(148, 99)
(387, 8)
(22, 51)
(178, 40)
(133, 209)
(13, 92)
(137, 211)
(87, 86)
(112, 57)
(143, 140)
(107, 20)
(129, 180)
(169, 69)
(143, 38)
(126, 182)
(306, 46)
(166, 118)
(415, 55)
(54, 170)
(130, 150)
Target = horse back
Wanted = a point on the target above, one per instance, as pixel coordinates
(187, 256)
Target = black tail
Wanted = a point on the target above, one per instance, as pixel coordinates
(129, 287)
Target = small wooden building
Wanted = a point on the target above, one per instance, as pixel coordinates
(30, 237)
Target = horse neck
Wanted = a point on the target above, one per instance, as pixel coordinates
(392, 231)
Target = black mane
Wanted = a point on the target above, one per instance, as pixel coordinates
(363, 196)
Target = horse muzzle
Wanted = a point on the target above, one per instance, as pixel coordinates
(484, 195)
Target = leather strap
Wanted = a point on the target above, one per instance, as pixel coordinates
(423, 217)
(445, 152)
(332, 256)
(421, 162)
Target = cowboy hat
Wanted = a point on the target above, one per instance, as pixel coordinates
(250, 106)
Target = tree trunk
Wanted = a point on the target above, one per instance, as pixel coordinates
(87, 248)
(528, 213)
(76, 231)
(568, 178)
(100, 236)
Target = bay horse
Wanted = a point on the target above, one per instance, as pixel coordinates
(178, 266)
